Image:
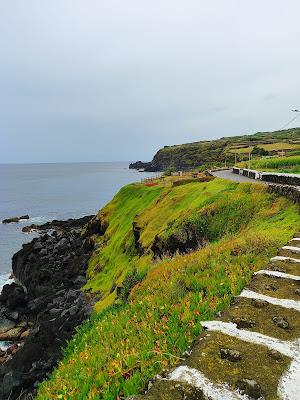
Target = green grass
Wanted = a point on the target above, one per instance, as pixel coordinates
(278, 164)
(116, 352)
(267, 146)
(116, 253)
(154, 209)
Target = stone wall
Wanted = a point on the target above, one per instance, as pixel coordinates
(283, 179)
(272, 177)
(292, 192)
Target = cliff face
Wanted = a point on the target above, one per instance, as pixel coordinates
(214, 152)
(184, 156)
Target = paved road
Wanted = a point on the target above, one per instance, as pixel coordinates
(228, 174)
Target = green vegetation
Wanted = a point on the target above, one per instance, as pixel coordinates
(269, 147)
(278, 164)
(207, 154)
(151, 324)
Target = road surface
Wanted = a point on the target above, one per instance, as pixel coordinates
(228, 174)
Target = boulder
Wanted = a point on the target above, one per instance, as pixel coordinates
(15, 219)
(10, 220)
(24, 216)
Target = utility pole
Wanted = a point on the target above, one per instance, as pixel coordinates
(235, 158)
(292, 120)
(249, 162)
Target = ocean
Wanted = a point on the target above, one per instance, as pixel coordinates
(53, 191)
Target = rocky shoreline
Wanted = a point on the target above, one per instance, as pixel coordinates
(40, 310)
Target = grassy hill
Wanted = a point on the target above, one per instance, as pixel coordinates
(214, 152)
(167, 258)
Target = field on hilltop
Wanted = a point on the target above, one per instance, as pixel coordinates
(276, 164)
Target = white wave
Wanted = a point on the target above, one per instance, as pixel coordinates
(5, 280)
(5, 345)
(34, 220)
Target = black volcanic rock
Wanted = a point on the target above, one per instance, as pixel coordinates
(40, 311)
(140, 165)
(69, 224)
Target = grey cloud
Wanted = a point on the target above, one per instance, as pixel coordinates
(102, 80)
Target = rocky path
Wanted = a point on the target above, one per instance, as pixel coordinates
(252, 350)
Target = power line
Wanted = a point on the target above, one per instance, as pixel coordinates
(292, 120)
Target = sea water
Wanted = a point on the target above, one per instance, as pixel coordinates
(53, 191)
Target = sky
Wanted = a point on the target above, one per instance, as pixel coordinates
(95, 80)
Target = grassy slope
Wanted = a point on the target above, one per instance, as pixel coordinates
(119, 349)
(116, 254)
(278, 164)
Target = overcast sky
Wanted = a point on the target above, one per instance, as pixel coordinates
(95, 80)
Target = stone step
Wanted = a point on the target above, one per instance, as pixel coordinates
(223, 367)
(286, 259)
(277, 274)
(287, 303)
(275, 287)
(289, 251)
(293, 249)
(285, 267)
(294, 242)
(227, 360)
(263, 317)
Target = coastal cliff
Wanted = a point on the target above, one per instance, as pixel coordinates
(138, 277)
(214, 152)
(165, 259)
